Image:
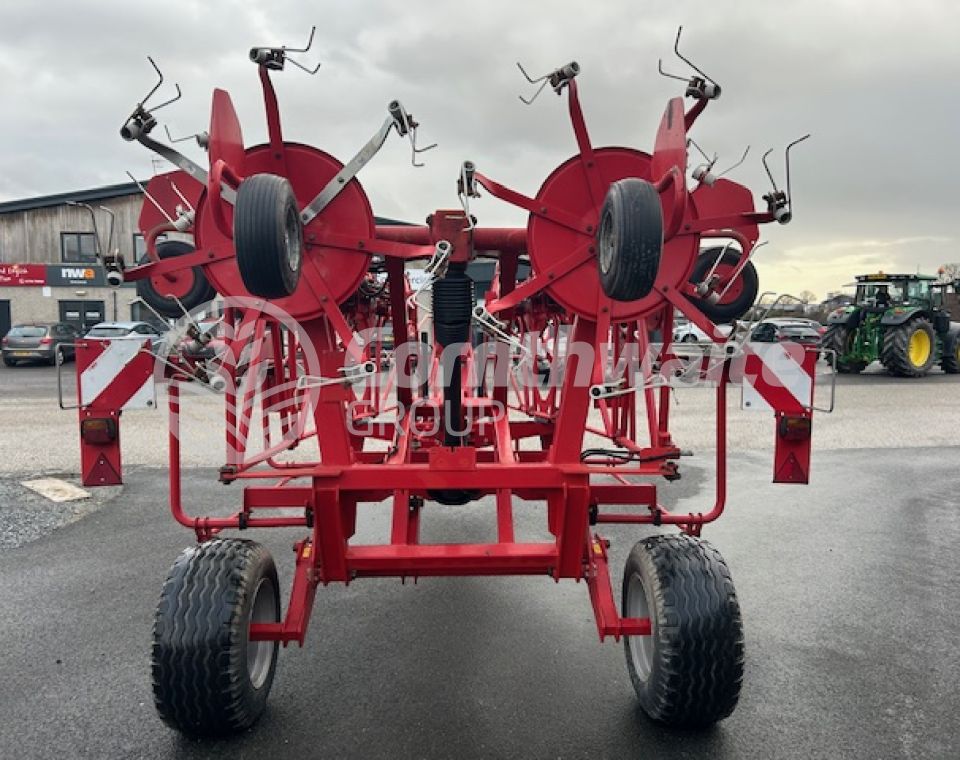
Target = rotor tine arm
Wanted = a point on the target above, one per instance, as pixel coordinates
(113, 220)
(535, 95)
(313, 31)
(667, 74)
(769, 173)
(731, 168)
(174, 99)
(157, 85)
(787, 162)
(691, 64)
(150, 198)
(528, 77)
(93, 221)
(300, 66)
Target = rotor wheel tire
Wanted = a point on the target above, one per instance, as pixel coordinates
(909, 350)
(200, 291)
(630, 239)
(950, 361)
(837, 338)
(209, 679)
(688, 672)
(732, 308)
(268, 236)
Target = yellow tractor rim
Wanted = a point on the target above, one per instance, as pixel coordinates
(919, 347)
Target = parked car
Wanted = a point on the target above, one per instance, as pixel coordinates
(772, 331)
(687, 332)
(128, 330)
(39, 342)
(802, 321)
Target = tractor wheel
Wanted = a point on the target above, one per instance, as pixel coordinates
(268, 236)
(839, 338)
(742, 293)
(190, 286)
(630, 239)
(950, 361)
(688, 672)
(209, 679)
(908, 349)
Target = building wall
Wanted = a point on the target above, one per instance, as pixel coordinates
(30, 304)
(33, 236)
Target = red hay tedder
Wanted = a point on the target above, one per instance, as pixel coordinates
(555, 388)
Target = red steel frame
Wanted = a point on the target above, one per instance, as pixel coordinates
(502, 458)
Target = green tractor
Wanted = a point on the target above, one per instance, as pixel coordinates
(904, 320)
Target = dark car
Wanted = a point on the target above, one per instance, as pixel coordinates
(39, 342)
(772, 332)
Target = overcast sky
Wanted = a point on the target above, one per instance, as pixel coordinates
(875, 81)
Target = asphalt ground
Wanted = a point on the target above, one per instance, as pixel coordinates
(848, 588)
(873, 410)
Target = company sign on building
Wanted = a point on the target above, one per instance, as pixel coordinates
(23, 274)
(53, 275)
(60, 275)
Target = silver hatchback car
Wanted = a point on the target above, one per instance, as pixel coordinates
(39, 341)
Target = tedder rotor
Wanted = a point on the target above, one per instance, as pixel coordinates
(552, 386)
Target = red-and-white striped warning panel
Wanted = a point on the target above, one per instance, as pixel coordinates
(116, 374)
(778, 377)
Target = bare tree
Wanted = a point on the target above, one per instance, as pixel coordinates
(807, 296)
(949, 272)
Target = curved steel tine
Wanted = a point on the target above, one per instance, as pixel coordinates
(113, 220)
(150, 198)
(742, 159)
(299, 65)
(691, 64)
(527, 76)
(786, 158)
(174, 99)
(157, 85)
(749, 255)
(717, 262)
(668, 74)
(535, 95)
(173, 139)
(93, 221)
(691, 141)
(415, 150)
(313, 31)
(767, 167)
(180, 195)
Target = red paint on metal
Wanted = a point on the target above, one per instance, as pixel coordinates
(540, 458)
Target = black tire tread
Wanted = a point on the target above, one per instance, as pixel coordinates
(736, 309)
(835, 339)
(200, 685)
(258, 232)
(895, 355)
(201, 291)
(699, 653)
(638, 225)
(950, 360)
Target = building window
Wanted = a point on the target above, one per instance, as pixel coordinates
(78, 247)
(140, 245)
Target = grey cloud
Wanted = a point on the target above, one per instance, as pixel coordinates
(866, 78)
